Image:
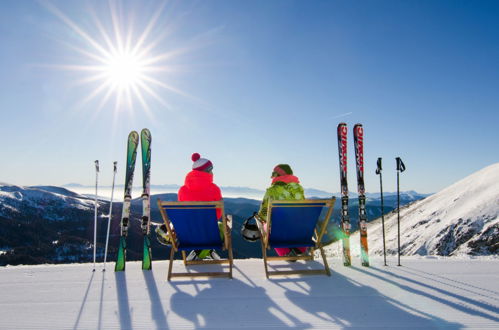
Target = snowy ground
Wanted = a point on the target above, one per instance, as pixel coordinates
(423, 293)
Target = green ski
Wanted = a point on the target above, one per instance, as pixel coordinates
(145, 141)
(147, 258)
(133, 142)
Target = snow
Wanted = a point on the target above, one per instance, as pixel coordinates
(424, 293)
(446, 223)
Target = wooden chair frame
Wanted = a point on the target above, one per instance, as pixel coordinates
(265, 235)
(227, 242)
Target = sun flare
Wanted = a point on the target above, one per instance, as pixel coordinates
(121, 63)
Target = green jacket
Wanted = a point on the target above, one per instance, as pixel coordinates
(280, 191)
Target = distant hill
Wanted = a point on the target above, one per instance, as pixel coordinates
(50, 224)
(244, 192)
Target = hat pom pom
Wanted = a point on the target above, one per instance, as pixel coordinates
(195, 156)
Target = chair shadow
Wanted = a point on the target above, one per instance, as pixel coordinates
(216, 300)
(157, 310)
(123, 305)
(347, 303)
(441, 300)
(200, 268)
(307, 265)
(83, 303)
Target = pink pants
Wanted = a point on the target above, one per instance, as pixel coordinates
(283, 251)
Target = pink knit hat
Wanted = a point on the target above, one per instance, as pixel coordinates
(201, 164)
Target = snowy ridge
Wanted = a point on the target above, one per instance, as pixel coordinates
(460, 219)
(46, 200)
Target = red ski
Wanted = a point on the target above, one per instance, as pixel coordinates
(358, 136)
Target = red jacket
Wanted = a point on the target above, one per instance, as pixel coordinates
(199, 187)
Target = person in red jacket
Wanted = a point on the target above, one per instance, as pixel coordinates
(198, 187)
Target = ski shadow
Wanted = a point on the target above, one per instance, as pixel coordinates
(157, 310)
(123, 305)
(473, 289)
(101, 301)
(84, 302)
(458, 306)
(346, 303)
(212, 303)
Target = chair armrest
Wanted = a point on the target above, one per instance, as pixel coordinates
(257, 217)
(262, 224)
(228, 218)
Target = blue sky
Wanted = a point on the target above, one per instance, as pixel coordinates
(261, 83)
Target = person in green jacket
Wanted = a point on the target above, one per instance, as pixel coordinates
(285, 186)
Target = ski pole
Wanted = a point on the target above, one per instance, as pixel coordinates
(95, 212)
(378, 171)
(110, 215)
(400, 168)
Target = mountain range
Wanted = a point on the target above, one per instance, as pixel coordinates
(232, 191)
(51, 224)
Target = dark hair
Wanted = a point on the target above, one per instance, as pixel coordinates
(282, 169)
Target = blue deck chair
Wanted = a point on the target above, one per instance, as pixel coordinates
(193, 226)
(292, 224)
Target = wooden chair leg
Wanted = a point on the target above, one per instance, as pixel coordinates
(228, 240)
(172, 255)
(231, 259)
(264, 254)
(326, 266)
(184, 257)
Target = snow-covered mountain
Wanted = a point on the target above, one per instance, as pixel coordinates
(460, 219)
(47, 202)
(43, 224)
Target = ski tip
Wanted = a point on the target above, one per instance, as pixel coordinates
(133, 135)
(145, 134)
(342, 124)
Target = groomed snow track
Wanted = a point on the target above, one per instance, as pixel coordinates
(424, 293)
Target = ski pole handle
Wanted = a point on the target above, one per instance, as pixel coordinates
(400, 164)
(115, 168)
(379, 167)
(97, 165)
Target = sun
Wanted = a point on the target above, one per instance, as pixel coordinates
(124, 71)
(119, 62)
